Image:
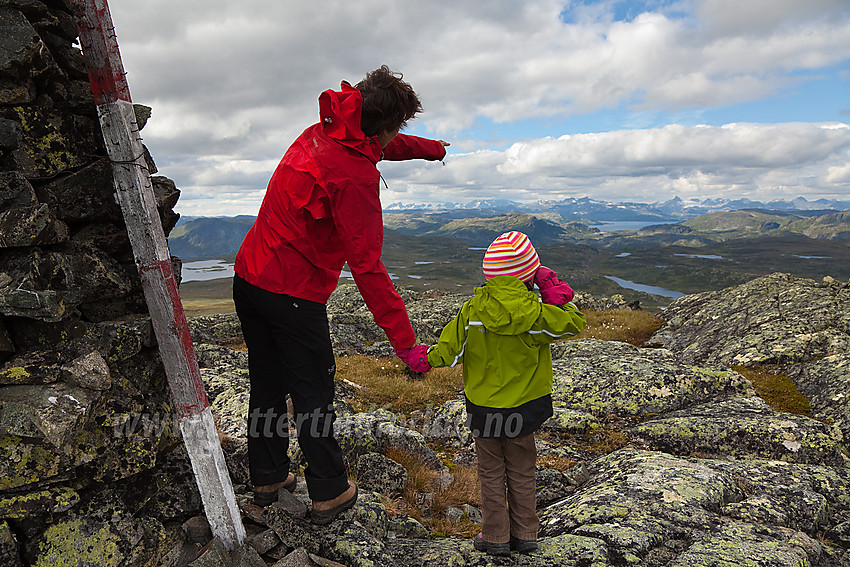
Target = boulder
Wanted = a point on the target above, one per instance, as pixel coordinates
(106, 236)
(15, 191)
(377, 473)
(89, 371)
(353, 326)
(33, 368)
(225, 375)
(776, 319)
(9, 553)
(797, 325)
(571, 422)
(30, 226)
(220, 329)
(167, 194)
(447, 425)
(48, 431)
(50, 284)
(50, 140)
(376, 432)
(64, 350)
(55, 500)
(826, 384)
(21, 57)
(99, 531)
(54, 413)
(86, 194)
(346, 539)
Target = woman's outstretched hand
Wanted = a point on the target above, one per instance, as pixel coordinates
(416, 357)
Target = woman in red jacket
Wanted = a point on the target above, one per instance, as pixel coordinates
(321, 209)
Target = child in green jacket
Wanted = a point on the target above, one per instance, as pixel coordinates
(502, 336)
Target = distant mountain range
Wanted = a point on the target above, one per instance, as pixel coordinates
(675, 209)
(220, 237)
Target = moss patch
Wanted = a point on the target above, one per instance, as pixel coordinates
(777, 390)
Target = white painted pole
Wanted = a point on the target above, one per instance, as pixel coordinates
(153, 260)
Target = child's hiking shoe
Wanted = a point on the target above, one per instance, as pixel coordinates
(480, 544)
(523, 545)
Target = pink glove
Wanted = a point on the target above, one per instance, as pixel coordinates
(559, 294)
(416, 357)
(552, 290)
(546, 278)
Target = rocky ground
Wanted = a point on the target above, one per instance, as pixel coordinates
(705, 473)
(676, 460)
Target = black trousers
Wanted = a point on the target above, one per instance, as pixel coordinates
(290, 352)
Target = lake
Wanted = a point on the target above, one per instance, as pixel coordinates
(205, 270)
(611, 226)
(654, 290)
(704, 256)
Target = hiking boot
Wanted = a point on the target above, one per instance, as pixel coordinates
(523, 545)
(480, 544)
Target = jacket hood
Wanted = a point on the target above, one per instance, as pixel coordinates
(506, 306)
(340, 113)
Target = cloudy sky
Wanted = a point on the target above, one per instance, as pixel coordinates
(541, 99)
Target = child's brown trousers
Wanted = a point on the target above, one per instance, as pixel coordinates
(506, 469)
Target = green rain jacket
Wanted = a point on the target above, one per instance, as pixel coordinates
(502, 336)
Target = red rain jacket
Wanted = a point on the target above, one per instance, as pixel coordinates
(322, 208)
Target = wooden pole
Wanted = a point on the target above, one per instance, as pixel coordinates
(153, 260)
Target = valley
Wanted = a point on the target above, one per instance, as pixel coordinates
(442, 252)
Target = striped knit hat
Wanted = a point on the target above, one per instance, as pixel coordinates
(511, 254)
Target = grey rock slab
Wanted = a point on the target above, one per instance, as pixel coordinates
(742, 428)
(605, 377)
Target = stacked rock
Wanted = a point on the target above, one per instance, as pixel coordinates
(83, 397)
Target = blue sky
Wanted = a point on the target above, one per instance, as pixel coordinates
(541, 99)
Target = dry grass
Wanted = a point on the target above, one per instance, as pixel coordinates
(200, 307)
(777, 390)
(557, 463)
(386, 382)
(464, 489)
(623, 325)
(602, 441)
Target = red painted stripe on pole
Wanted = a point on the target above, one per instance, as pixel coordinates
(100, 50)
(197, 400)
(185, 339)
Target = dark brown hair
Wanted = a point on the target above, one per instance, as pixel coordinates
(388, 101)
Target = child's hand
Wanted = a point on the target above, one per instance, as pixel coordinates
(416, 357)
(552, 290)
(545, 278)
(559, 294)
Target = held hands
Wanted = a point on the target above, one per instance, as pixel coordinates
(416, 357)
(552, 290)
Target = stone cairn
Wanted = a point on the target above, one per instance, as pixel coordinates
(84, 404)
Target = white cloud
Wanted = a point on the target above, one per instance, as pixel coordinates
(235, 82)
(747, 159)
(669, 149)
(839, 174)
(734, 17)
